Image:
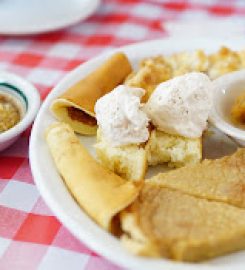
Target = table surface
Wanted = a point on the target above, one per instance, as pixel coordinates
(30, 235)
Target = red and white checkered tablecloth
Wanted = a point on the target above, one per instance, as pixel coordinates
(30, 236)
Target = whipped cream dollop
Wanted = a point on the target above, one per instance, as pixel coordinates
(121, 118)
(181, 105)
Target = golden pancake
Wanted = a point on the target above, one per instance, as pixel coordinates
(101, 193)
(76, 105)
(168, 223)
(220, 180)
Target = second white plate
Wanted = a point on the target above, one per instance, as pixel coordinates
(21, 17)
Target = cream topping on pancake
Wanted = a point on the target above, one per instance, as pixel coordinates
(181, 105)
(121, 118)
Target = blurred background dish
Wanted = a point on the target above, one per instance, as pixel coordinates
(25, 98)
(20, 17)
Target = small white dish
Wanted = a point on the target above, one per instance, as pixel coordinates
(26, 97)
(226, 89)
(57, 196)
(20, 17)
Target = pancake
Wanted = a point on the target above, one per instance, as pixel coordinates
(101, 193)
(76, 105)
(219, 180)
(168, 223)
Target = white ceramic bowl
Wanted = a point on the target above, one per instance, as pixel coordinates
(28, 99)
(226, 89)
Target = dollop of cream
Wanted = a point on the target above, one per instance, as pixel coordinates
(121, 118)
(181, 105)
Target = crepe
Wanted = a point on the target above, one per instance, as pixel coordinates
(220, 180)
(76, 105)
(101, 193)
(168, 223)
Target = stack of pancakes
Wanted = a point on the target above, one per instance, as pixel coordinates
(190, 214)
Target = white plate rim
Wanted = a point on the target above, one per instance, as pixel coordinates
(124, 259)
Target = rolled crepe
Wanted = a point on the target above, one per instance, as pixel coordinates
(76, 105)
(100, 192)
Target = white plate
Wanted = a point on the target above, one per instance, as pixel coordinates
(61, 202)
(20, 17)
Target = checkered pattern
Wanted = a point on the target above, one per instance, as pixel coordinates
(30, 236)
